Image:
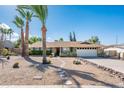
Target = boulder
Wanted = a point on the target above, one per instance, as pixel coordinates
(37, 77)
(68, 82)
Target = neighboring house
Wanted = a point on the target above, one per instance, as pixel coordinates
(6, 44)
(83, 49)
(115, 51)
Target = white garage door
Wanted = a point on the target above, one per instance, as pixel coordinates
(87, 52)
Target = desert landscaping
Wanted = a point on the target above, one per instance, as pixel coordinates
(61, 72)
(66, 49)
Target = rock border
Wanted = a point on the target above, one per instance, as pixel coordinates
(110, 70)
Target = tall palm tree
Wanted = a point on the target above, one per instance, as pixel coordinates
(20, 24)
(27, 15)
(41, 12)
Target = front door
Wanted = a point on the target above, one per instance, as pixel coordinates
(57, 51)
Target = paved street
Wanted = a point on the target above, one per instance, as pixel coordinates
(115, 64)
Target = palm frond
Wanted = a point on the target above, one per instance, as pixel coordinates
(25, 12)
(18, 22)
(21, 12)
(41, 12)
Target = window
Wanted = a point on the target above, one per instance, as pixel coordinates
(33, 48)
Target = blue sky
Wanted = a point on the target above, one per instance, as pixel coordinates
(106, 22)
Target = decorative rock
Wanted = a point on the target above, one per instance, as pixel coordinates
(59, 70)
(62, 72)
(122, 78)
(104, 69)
(37, 77)
(68, 82)
(36, 65)
(62, 75)
(111, 71)
(114, 73)
(118, 76)
(64, 78)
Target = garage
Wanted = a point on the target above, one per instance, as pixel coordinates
(86, 52)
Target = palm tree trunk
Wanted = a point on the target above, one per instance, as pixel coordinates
(26, 39)
(5, 36)
(22, 41)
(2, 36)
(44, 43)
(10, 37)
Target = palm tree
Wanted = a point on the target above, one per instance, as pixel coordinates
(33, 39)
(10, 32)
(61, 39)
(41, 13)
(20, 24)
(94, 40)
(27, 15)
(2, 34)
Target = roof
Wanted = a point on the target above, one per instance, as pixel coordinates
(65, 44)
(116, 46)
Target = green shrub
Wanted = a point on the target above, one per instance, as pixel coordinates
(48, 52)
(36, 52)
(5, 52)
(39, 52)
(16, 65)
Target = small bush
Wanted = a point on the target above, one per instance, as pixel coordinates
(50, 56)
(5, 52)
(16, 65)
(76, 62)
(49, 61)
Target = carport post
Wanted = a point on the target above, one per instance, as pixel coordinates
(60, 51)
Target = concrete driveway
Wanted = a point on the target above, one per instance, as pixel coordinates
(115, 64)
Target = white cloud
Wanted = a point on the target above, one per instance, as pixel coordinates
(49, 39)
(4, 26)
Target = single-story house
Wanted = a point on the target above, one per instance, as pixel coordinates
(115, 51)
(82, 49)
